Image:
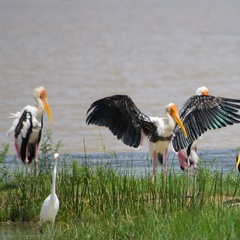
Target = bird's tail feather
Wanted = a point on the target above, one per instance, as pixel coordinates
(14, 115)
(14, 124)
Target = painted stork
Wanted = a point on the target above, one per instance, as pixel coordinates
(50, 205)
(188, 156)
(200, 113)
(27, 128)
(128, 123)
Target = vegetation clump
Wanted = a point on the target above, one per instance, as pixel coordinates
(100, 202)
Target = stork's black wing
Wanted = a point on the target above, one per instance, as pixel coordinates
(122, 117)
(23, 131)
(202, 113)
(32, 147)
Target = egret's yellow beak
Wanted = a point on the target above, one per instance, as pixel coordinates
(46, 105)
(176, 117)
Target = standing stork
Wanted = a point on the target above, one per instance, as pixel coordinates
(128, 123)
(188, 156)
(27, 128)
(199, 114)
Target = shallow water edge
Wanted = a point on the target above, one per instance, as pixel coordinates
(139, 162)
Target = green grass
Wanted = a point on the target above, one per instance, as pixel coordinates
(99, 202)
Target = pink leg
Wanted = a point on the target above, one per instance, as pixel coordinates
(17, 149)
(195, 172)
(26, 161)
(165, 166)
(36, 159)
(154, 165)
(188, 177)
(195, 175)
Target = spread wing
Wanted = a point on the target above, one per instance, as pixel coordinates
(122, 117)
(202, 113)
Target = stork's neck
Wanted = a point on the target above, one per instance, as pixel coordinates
(171, 122)
(39, 104)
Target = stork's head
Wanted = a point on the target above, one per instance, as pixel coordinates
(40, 93)
(171, 109)
(202, 91)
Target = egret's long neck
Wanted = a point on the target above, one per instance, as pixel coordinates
(54, 177)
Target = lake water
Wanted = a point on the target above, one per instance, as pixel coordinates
(155, 51)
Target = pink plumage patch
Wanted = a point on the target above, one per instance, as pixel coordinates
(182, 156)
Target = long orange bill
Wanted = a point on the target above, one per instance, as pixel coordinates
(47, 108)
(176, 117)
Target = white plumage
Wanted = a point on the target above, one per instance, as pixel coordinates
(50, 205)
(27, 127)
(120, 114)
(199, 114)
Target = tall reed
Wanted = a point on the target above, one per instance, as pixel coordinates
(118, 204)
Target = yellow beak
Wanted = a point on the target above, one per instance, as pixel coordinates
(205, 93)
(238, 162)
(47, 108)
(176, 117)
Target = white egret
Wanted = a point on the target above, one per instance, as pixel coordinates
(50, 205)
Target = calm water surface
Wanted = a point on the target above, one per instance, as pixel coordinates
(155, 51)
